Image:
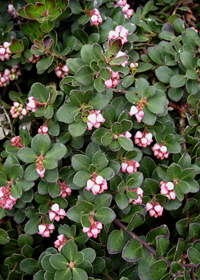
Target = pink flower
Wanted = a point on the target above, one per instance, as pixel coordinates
(60, 242)
(125, 8)
(139, 191)
(139, 114)
(12, 11)
(64, 189)
(45, 229)
(143, 139)
(33, 59)
(95, 119)
(33, 104)
(5, 52)
(16, 141)
(126, 134)
(17, 110)
(129, 166)
(94, 230)
(40, 168)
(167, 189)
(95, 17)
(154, 208)
(97, 185)
(6, 199)
(43, 129)
(119, 32)
(113, 81)
(194, 29)
(56, 212)
(61, 71)
(160, 151)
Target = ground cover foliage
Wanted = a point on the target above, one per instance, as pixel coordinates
(100, 150)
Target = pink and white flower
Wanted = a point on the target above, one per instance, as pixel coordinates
(167, 189)
(140, 192)
(95, 17)
(9, 75)
(16, 141)
(139, 114)
(43, 129)
(40, 168)
(143, 139)
(94, 230)
(60, 242)
(64, 189)
(97, 184)
(56, 212)
(33, 104)
(125, 8)
(126, 134)
(129, 166)
(160, 151)
(5, 52)
(6, 199)
(45, 229)
(12, 11)
(61, 71)
(154, 208)
(119, 33)
(33, 59)
(17, 110)
(113, 81)
(95, 119)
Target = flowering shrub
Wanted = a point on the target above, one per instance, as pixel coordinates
(100, 149)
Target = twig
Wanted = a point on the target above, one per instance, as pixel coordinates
(9, 120)
(18, 87)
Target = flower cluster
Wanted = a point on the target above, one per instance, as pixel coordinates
(143, 139)
(139, 114)
(119, 54)
(140, 192)
(97, 184)
(17, 110)
(95, 17)
(130, 166)
(56, 213)
(133, 66)
(125, 8)
(65, 190)
(12, 11)
(119, 33)
(154, 208)
(6, 199)
(16, 141)
(45, 229)
(94, 230)
(40, 168)
(61, 71)
(160, 151)
(33, 104)
(167, 189)
(33, 59)
(9, 75)
(43, 129)
(5, 52)
(126, 134)
(95, 119)
(60, 242)
(195, 29)
(113, 81)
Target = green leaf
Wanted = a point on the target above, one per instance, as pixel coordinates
(162, 243)
(107, 173)
(81, 162)
(87, 53)
(84, 75)
(4, 237)
(47, 26)
(3, 179)
(105, 74)
(50, 163)
(192, 74)
(69, 250)
(44, 63)
(122, 200)
(116, 242)
(164, 74)
(74, 215)
(132, 251)
(187, 60)
(141, 87)
(67, 112)
(127, 81)
(156, 103)
(99, 84)
(31, 226)
(178, 81)
(158, 269)
(63, 274)
(194, 255)
(28, 265)
(39, 92)
(125, 143)
(85, 207)
(56, 151)
(16, 191)
(58, 261)
(115, 47)
(150, 186)
(155, 55)
(31, 173)
(99, 160)
(174, 171)
(78, 274)
(77, 129)
(103, 200)
(105, 215)
(81, 177)
(40, 144)
(27, 155)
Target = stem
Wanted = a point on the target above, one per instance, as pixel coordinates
(106, 274)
